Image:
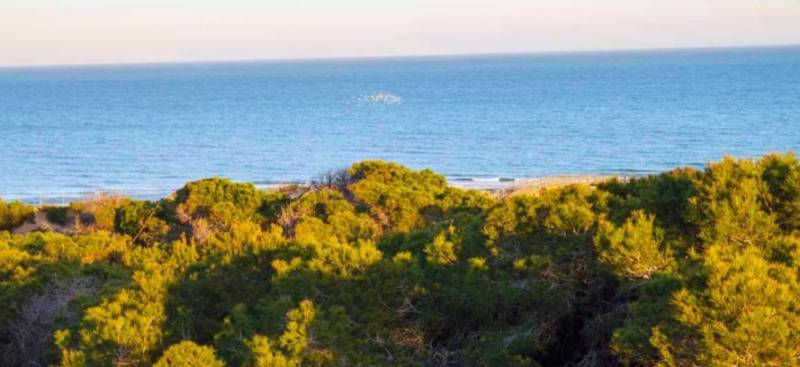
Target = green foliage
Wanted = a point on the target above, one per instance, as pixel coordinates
(631, 342)
(633, 251)
(441, 251)
(326, 216)
(747, 315)
(666, 196)
(388, 266)
(782, 177)
(397, 197)
(212, 205)
(14, 214)
(219, 200)
(140, 220)
(98, 213)
(729, 206)
(569, 211)
(125, 329)
(188, 354)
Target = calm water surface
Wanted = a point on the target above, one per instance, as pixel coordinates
(147, 129)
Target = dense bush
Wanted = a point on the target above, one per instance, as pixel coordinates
(635, 250)
(140, 220)
(397, 197)
(381, 265)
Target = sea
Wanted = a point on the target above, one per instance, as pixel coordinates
(146, 129)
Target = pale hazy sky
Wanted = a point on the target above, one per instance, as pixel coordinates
(36, 32)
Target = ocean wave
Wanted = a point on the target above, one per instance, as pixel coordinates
(384, 98)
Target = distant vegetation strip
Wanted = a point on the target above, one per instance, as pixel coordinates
(383, 265)
(504, 185)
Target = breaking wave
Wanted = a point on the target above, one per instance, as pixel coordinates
(380, 98)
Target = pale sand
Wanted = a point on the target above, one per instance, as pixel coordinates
(40, 223)
(533, 185)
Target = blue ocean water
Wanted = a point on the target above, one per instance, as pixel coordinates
(147, 129)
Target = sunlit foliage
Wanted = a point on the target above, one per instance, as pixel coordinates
(634, 250)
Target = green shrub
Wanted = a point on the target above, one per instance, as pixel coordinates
(188, 354)
(396, 196)
(781, 173)
(58, 214)
(93, 214)
(635, 250)
(746, 315)
(441, 251)
(206, 206)
(219, 199)
(730, 204)
(140, 220)
(14, 214)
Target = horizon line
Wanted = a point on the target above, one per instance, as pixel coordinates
(398, 56)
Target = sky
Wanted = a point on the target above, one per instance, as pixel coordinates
(57, 32)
